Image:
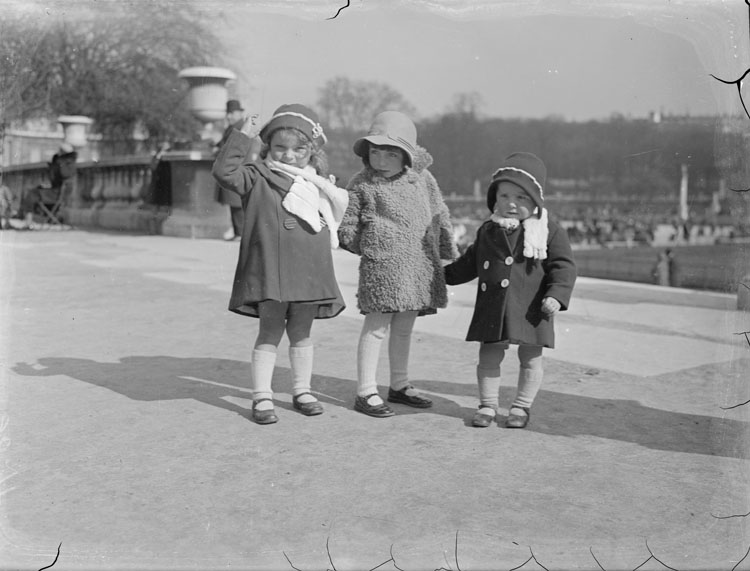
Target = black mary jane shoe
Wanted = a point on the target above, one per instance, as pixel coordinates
(417, 401)
(264, 416)
(378, 410)
(482, 420)
(307, 408)
(516, 420)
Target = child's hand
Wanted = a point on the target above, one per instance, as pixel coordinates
(550, 305)
(248, 127)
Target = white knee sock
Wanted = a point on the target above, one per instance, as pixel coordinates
(301, 360)
(489, 389)
(399, 344)
(262, 375)
(374, 331)
(529, 381)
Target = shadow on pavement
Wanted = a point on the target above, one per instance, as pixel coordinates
(210, 380)
(564, 414)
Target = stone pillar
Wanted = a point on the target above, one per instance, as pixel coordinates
(195, 212)
(75, 132)
(743, 293)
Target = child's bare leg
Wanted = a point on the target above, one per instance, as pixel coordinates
(488, 379)
(299, 324)
(399, 344)
(529, 381)
(272, 324)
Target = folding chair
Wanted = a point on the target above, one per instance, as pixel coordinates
(52, 211)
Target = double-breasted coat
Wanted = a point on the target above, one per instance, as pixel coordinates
(281, 258)
(511, 287)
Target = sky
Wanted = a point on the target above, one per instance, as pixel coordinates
(575, 60)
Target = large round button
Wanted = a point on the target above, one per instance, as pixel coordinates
(486, 264)
(504, 283)
(483, 287)
(508, 260)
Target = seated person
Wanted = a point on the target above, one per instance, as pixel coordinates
(62, 169)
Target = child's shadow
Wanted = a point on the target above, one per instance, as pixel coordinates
(563, 414)
(204, 379)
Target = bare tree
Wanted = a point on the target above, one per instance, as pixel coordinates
(349, 105)
(466, 104)
(118, 66)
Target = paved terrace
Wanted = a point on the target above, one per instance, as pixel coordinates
(126, 439)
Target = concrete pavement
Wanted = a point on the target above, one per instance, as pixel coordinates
(125, 432)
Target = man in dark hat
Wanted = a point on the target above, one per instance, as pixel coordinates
(235, 118)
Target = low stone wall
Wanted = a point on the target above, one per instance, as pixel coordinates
(127, 194)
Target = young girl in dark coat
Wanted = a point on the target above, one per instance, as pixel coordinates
(285, 273)
(526, 274)
(399, 225)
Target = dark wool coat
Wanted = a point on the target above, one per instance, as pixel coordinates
(281, 258)
(401, 229)
(225, 196)
(508, 306)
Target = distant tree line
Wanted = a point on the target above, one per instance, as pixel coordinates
(633, 157)
(121, 68)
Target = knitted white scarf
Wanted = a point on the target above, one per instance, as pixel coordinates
(535, 233)
(312, 197)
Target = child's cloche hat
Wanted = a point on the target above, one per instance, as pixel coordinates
(525, 170)
(391, 128)
(294, 116)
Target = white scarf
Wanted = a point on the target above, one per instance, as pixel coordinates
(312, 197)
(535, 233)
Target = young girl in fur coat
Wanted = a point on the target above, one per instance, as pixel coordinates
(285, 273)
(399, 225)
(526, 274)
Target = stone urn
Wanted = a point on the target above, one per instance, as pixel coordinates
(207, 98)
(75, 129)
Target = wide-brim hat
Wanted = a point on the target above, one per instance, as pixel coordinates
(390, 128)
(294, 116)
(234, 105)
(526, 171)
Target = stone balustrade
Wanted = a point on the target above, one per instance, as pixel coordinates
(118, 194)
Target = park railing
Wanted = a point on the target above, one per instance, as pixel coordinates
(175, 196)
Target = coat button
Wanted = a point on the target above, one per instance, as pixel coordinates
(290, 223)
(504, 283)
(486, 264)
(483, 287)
(508, 260)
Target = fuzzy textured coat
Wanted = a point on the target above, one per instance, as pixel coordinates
(280, 258)
(401, 229)
(511, 287)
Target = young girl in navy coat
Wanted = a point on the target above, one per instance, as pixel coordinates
(526, 274)
(285, 273)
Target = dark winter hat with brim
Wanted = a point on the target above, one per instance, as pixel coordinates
(294, 116)
(525, 170)
(390, 128)
(234, 105)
